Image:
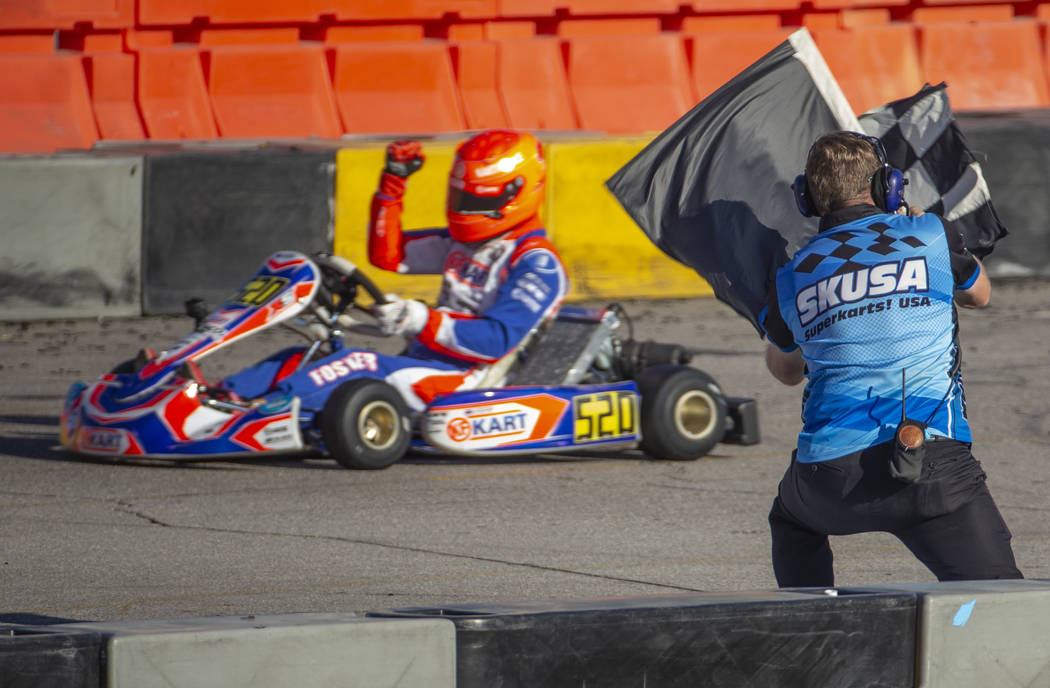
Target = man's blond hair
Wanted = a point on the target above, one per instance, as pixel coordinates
(839, 171)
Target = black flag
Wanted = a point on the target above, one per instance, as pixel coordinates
(713, 191)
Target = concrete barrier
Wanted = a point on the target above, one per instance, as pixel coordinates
(977, 634)
(299, 650)
(48, 657)
(764, 639)
(139, 230)
(210, 218)
(1014, 152)
(71, 228)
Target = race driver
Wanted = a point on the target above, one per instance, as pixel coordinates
(502, 275)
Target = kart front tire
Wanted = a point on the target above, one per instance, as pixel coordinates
(364, 425)
(683, 413)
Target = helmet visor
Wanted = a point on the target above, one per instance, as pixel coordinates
(466, 203)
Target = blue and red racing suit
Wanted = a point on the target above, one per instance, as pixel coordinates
(493, 294)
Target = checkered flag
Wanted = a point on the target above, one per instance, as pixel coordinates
(923, 141)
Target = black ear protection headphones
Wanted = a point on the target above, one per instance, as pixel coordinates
(887, 184)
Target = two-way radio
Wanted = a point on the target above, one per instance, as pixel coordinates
(910, 446)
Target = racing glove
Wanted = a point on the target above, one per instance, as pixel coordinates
(401, 316)
(403, 158)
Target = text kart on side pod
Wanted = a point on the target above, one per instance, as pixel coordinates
(574, 386)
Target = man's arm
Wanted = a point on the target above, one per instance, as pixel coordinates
(787, 366)
(978, 294)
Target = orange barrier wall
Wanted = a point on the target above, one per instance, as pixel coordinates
(126, 70)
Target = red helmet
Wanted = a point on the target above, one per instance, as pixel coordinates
(496, 183)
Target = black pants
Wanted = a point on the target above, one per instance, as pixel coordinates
(947, 519)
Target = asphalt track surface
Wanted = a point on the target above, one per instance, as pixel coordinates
(100, 539)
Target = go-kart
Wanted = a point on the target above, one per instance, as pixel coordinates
(575, 384)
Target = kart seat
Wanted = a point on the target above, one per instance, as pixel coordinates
(561, 353)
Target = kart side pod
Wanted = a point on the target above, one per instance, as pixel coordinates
(669, 411)
(526, 420)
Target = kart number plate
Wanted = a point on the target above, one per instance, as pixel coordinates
(260, 290)
(604, 416)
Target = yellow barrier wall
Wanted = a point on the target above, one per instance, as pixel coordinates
(606, 254)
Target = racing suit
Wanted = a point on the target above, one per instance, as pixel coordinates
(493, 294)
(870, 296)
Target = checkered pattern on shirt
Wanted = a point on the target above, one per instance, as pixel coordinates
(847, 248)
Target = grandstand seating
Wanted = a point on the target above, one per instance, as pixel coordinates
(717, 57)
(45, 104)
(872, 64)
(172, 95)
(281, 91)
(477, 76)
(629, 84)
(111, 78)
(396, 87)
(78, 72)
(534, 86)
(987, 65)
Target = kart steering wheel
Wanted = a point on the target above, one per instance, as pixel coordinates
(342, 277)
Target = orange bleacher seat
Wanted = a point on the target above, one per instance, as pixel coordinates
(410, 9)
(396, 87)
(138, 40)
(619, 6)
(875, 16)
(215, 37)
(743, 5)
(533, 84)
(103, 42)
(872, 64)
(172, 96)
(65, 14)
(718, 57)
(45, 105)
(497, 30)
(466, 31)
(629, 86)
(376, 32)
(28, 43)
(965, 13)
(166, 12)
(846, 4)
(730, 22)
(476, 76)
(527, 8)
(113, 96)
(820, 20)
(277, 91)
(603, 27)
(987, 65)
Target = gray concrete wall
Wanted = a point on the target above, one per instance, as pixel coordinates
(71, 236)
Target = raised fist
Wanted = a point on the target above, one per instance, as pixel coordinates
(403, 158)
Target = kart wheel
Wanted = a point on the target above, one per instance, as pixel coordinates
(683, 414)
(364, 424)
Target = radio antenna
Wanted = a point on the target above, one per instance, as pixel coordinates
(904, 394)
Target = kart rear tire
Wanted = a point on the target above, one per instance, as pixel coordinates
(683, 413)
(364, 425)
